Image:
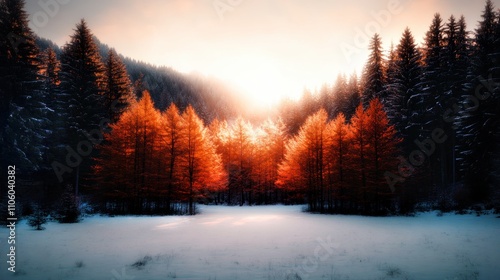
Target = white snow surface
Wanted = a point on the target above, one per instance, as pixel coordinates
(259, 242)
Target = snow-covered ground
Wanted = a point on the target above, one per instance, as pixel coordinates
(264, 242)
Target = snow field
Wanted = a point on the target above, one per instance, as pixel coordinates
(260, 242)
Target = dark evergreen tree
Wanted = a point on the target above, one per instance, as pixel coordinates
(403, 79)
(428, 104)
(340, 96)
(478, 122)
(118, 91)
(429, 99)
(23, 121)
(353, 96)
(327, 99)
(56, 100)
(456, 53)
(83, 81)
(374, 73)
(391, 72)
(68, 211)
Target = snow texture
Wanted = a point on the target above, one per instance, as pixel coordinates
(262, 242)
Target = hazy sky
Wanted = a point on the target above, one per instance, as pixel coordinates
(266, 48)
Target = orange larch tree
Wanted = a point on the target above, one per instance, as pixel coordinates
(242, 147)
(171, 139)
(305, 161)
(338, 144)
(200, 165)
(381, 155)
(128, 159)
(270, 149)
(357, 158)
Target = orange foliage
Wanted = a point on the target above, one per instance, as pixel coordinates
(339, 166)
(150, 159)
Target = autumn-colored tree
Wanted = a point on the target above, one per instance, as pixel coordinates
(172, 136)
(129, 158)
(221, 136)
(291, 174)
(338, 144)
(380, 155)
(240, 166)
(268, 153)
(304, 163)
(201, 166)
(357, 156)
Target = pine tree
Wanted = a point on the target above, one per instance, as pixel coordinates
(68, 211)
(404, 78)
(118, 90)
(478, 130)
(55, 101)
(374, 74)
(429, 101)
(23, 112)
(456, 52)
(391, 80)
(353, 96)
(83, 82)
(340, 96)
(82, 78)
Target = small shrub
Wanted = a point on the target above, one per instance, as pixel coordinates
(37, 219)
(68, 211)
(141, 263)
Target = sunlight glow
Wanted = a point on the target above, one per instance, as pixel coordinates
(259, 79)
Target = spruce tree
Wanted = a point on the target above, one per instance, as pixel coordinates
(374, 73)
(429, 101)
(456, 53)
(23, 111)
(353, 96)
(478, 130)
(83, 81)
(404, 79)
(118, 91)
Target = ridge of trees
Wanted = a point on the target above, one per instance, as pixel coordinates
(419, 126)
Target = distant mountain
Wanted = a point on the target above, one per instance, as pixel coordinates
(210, 97)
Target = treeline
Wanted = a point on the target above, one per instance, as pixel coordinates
(151, 161)
(54, 100)
(50, 106)
(155, 162)
(340, 166)
(442, 97)
(421, 125)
